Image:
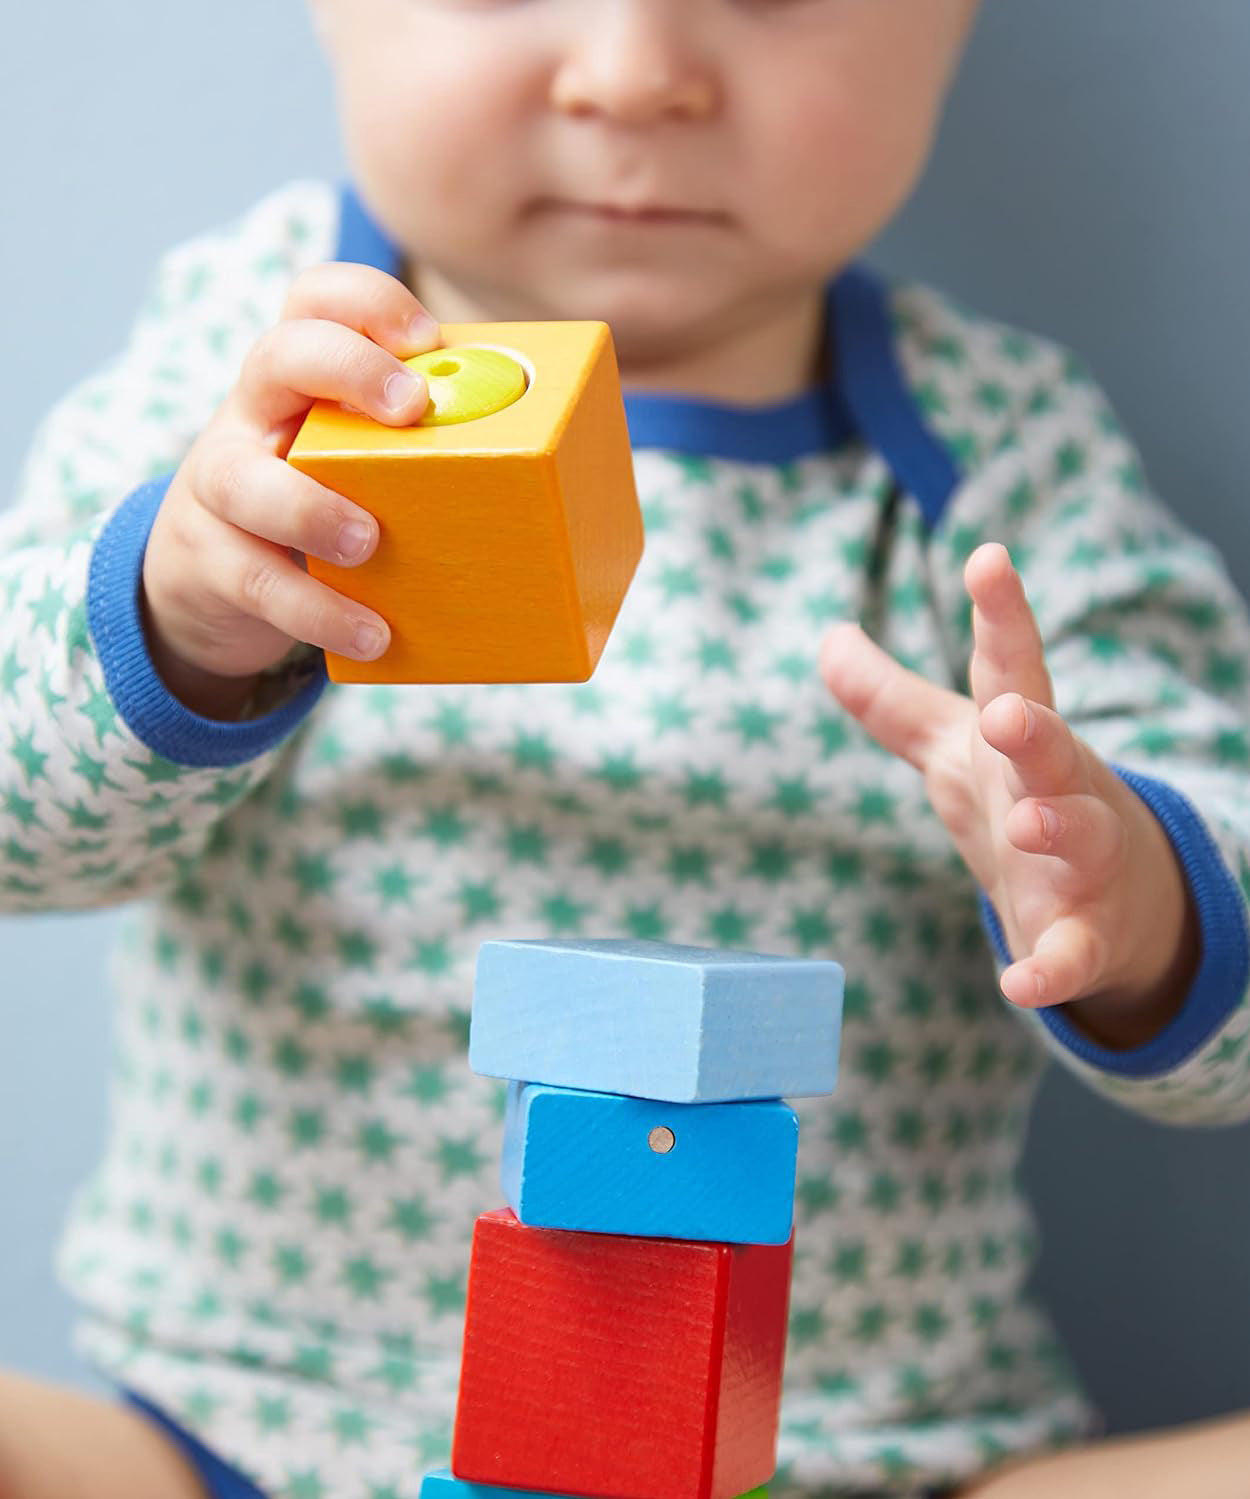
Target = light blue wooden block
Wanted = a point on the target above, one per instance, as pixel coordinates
(601, 1163)
(685, 1024)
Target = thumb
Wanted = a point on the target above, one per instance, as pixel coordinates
(902, 711)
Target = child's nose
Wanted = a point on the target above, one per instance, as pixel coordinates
(635, 62)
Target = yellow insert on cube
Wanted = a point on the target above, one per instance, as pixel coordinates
(466, 383)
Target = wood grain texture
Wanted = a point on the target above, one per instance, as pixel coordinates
(656, 1020)
(620, 1368)
(507, 543)
(584, 1161)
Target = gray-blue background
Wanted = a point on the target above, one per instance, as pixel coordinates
(1087, 185)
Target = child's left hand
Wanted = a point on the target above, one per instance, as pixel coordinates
(1092, 900)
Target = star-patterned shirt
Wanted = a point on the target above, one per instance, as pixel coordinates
(274, 1246)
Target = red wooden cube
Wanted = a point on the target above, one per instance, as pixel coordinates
(619, 1367)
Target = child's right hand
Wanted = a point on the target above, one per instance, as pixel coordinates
(223, 597)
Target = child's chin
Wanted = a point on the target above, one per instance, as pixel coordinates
(648, 314)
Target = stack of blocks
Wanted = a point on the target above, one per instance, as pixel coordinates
(626, 1317)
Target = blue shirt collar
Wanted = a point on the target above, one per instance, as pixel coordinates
(864, 395)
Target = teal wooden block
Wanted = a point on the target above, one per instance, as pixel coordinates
(442, 1485)
(601, 1163)
(682, 1024)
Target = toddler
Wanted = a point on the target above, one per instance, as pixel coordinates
(828, 722)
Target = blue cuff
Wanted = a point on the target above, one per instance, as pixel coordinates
(1224, 965)
(146, 705)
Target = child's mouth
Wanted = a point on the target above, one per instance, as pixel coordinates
(643, 213)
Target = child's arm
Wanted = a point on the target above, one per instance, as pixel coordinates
(1108, 824)
(110, 784)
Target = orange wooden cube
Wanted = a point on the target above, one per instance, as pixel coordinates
(507, 542)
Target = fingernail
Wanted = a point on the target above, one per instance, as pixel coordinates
(400, 390)
(353, 538)
(423, 331)
(1050, 824)
(1030, 718)
(367, 642)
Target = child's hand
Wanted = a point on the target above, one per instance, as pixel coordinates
(1088, 889)
(223, 596)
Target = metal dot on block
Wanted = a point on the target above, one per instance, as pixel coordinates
(661, 1139)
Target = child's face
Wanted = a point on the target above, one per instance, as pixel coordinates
(662, 164)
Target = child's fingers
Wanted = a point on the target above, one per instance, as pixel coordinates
(1007, 654)
(1046, 757)
(362, 297)
(306, 358)
(1081, 830)
(255, 578)
(252, 489)
(900, 709)
(1068, 960)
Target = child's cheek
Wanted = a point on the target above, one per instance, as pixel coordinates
(436, 154)
(835, 165)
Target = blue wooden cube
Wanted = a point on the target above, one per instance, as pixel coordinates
(602, 1163)
(682, 1024)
